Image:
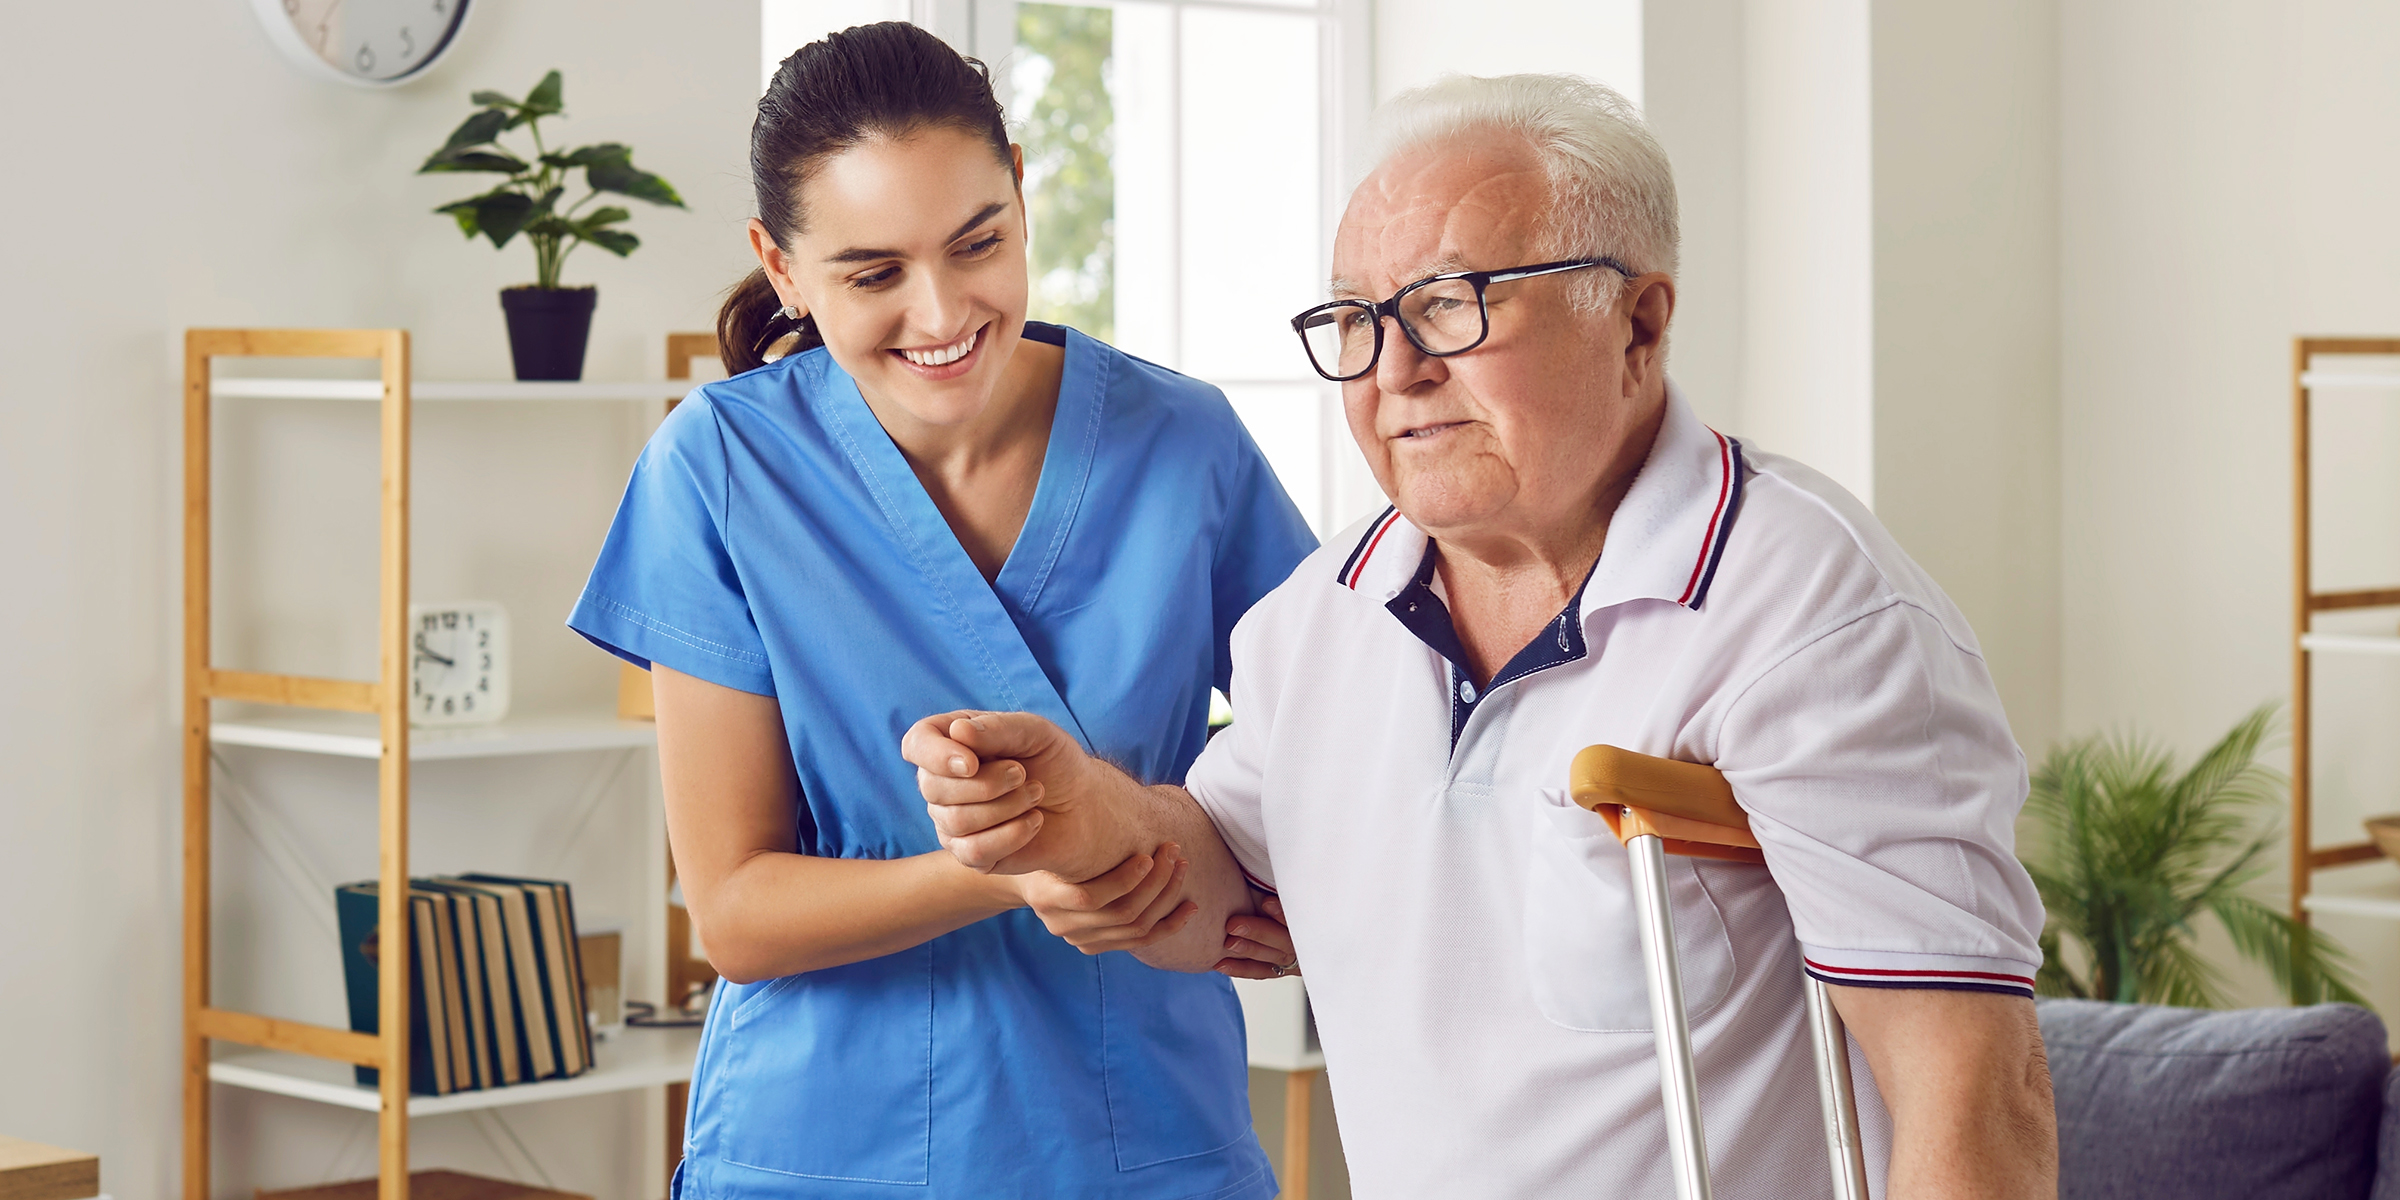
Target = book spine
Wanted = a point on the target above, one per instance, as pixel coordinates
(354, 913)
(428, 1027)
(505, 1032)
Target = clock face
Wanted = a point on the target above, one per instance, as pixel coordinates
(458, 663)
(373, 43)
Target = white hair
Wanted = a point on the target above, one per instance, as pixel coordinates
(1611, 190)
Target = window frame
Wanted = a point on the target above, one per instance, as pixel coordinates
(987, 29)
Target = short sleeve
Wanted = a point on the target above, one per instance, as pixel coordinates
(1263, 538)
(1228, 778)
(1882, 781)
(665, 589)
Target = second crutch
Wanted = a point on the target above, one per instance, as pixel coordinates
(1657, 807)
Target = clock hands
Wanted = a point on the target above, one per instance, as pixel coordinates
(422, 652)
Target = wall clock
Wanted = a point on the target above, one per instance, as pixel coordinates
(366, 43)
(457, 663)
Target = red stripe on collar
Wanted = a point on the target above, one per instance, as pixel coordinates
(1367, 545)
(1716, 519)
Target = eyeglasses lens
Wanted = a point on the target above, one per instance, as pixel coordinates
(1445, 316)
(1340, 339)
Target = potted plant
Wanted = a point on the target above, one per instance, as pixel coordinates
(548, 324)
(2130, 853)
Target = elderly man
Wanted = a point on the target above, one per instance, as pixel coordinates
(1572, 557)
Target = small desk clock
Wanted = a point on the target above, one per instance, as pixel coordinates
(457, 663)
(365, 43)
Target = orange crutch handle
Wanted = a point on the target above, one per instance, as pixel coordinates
(1688, 806)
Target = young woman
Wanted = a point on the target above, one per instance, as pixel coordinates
(930, 505)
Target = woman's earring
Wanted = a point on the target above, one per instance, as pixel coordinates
(789, 313)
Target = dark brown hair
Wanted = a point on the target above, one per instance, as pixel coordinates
(889, 79)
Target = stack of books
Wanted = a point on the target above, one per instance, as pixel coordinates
(495, 980)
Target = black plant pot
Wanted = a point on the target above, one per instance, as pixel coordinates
(547, 329)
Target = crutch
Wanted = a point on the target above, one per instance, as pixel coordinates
(1658, 807)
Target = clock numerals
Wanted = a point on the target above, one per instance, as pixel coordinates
(408, 45)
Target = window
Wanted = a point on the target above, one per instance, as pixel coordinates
(1185, 164)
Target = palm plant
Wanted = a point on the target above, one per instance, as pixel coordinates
(2131, 853)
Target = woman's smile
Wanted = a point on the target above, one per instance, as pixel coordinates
(945, 362)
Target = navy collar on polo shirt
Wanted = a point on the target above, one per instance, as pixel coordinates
(1422, 611)
(1665, 542)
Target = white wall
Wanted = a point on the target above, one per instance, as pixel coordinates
(1965, 358)
(188, 178)
(1419, 41)
(2226, 183)
(1695, 92)
(1808, 386)
(1870, 239)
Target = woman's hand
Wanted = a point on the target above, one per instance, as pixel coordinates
(1012, 793)
(1137, 903)
(1259, 947)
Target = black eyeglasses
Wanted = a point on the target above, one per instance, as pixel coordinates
(1441, 315)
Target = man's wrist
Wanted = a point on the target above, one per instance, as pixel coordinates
(1110, 813)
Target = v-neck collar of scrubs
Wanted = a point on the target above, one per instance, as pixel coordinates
(986, 611)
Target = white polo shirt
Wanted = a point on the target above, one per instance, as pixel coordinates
(1469, 933)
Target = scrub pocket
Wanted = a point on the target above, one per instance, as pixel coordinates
(829, 1074)
(1176, 1062)
(1583, 944)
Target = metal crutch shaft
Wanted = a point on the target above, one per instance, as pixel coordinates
(1645, 800)
(1678, 1080)
(1831, 1042)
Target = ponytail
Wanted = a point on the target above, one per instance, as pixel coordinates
(887, 79)
(752, 322)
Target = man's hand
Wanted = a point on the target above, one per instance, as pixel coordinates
(1259, 946)
(1011, 793)
(1136, 905)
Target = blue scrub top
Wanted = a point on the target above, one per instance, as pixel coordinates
(774, 540)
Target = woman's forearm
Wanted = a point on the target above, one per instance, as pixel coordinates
(732, 818)
(780, 914)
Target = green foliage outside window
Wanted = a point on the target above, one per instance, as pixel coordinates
(1068, 138)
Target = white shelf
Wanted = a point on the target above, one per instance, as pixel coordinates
(2351, 643)
(636, 1058)
(355, 735)
(2350, 380)
(2378, 380)
(2379, 898)
(498, 389)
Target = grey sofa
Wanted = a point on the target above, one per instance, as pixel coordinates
(2259, 1104)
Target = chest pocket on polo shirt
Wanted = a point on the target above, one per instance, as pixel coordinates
(1583, 944)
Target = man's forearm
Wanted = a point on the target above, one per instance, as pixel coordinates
(1968, 1086)
(1165, 813)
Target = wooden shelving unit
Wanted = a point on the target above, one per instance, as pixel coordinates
(357, 719)
(364, 720)
(2381, 898)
